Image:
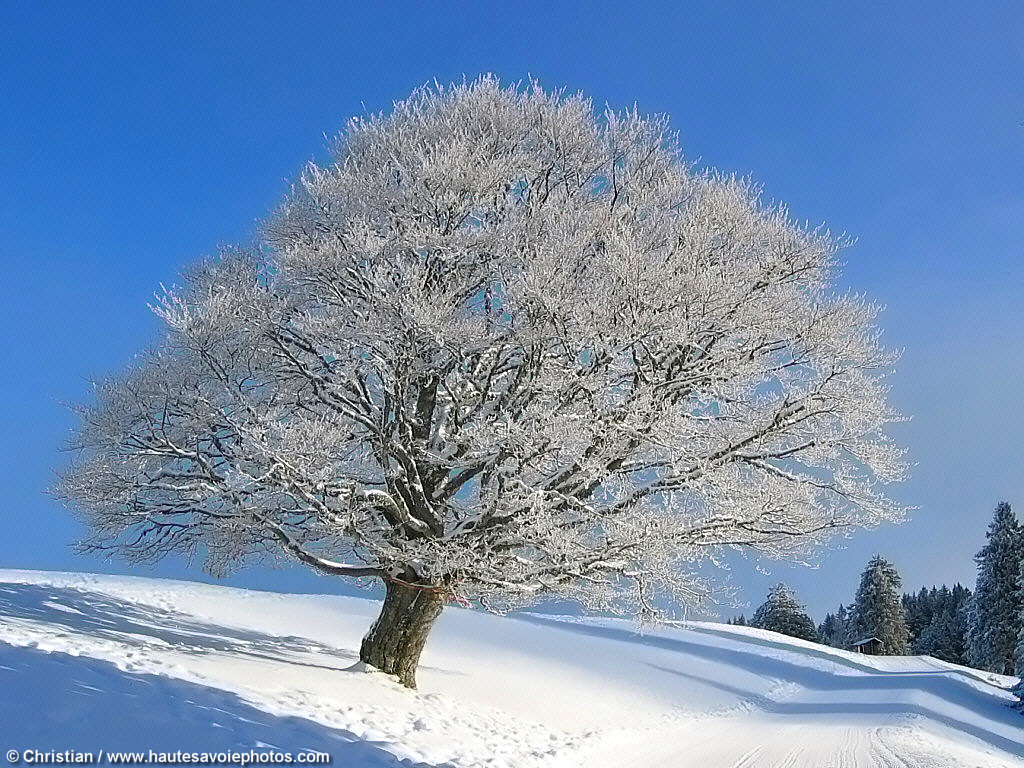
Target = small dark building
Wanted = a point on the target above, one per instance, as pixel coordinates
(869, 645)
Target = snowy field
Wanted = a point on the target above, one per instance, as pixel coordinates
(117, 663)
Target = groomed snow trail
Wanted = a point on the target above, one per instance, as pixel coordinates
(215, 667)
(780, 744)
(729, 743)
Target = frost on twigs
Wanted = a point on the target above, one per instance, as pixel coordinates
(509, 349)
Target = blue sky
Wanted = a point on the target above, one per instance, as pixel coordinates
(135, 139)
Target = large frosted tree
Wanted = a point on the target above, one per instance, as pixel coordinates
(500, 348)
(994, 615)
(878, 608)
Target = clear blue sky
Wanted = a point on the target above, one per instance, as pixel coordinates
(134, 139)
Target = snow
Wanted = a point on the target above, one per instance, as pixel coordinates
(119, 663)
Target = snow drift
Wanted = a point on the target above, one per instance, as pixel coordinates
(118, 663)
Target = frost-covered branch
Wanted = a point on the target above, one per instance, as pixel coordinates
(505, 347)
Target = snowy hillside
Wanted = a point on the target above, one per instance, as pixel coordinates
(91, 662)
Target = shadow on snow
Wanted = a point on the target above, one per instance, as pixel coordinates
(64, 702)
(950, 686)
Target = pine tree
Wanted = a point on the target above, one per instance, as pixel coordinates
(783, 613)
(844, 626)
(827, 628)
(1020, 632)
(919, 609)
(994, 618)
(959, 603)
(937, 622)
(835, 629)
(943, 638)
(878, 610)
(1018, 690)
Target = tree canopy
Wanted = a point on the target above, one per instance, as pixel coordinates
(500, 347)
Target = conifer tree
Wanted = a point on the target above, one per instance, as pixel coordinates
(919, 609)
(937, 622)
(943, 638)
(1018, 690)
(1020, 632)
(994, 618)
(783, 613)
(826, 628)
(835, 629)
(878, 610)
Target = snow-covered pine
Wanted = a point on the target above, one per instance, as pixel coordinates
(500, 348)
(1020, 631)
(937, 622)
(878, 609)
(941, 639)
(994, 616)
(919, 610)
(827, 628)
(835, 629)
(783, 613)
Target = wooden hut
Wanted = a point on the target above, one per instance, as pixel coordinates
(869, 645)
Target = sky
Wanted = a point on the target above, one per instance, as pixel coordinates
(136, 138)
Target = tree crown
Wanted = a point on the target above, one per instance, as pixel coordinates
(503, 347)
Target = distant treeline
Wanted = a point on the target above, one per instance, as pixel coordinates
(983, 629)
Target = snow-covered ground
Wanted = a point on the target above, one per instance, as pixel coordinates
(115, 663)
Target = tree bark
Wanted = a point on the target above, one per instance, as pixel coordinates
(395, 641)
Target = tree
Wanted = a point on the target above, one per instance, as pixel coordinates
(937, 622)
(499, 349)
(783, 613)
(878, 610)
(835, 629)
(994, 617)
(1018, 689)
(919, 610)
(943, 638)
(1020, 632)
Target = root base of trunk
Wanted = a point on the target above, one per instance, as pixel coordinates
(395, 641)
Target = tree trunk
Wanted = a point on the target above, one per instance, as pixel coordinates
(395, 641)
